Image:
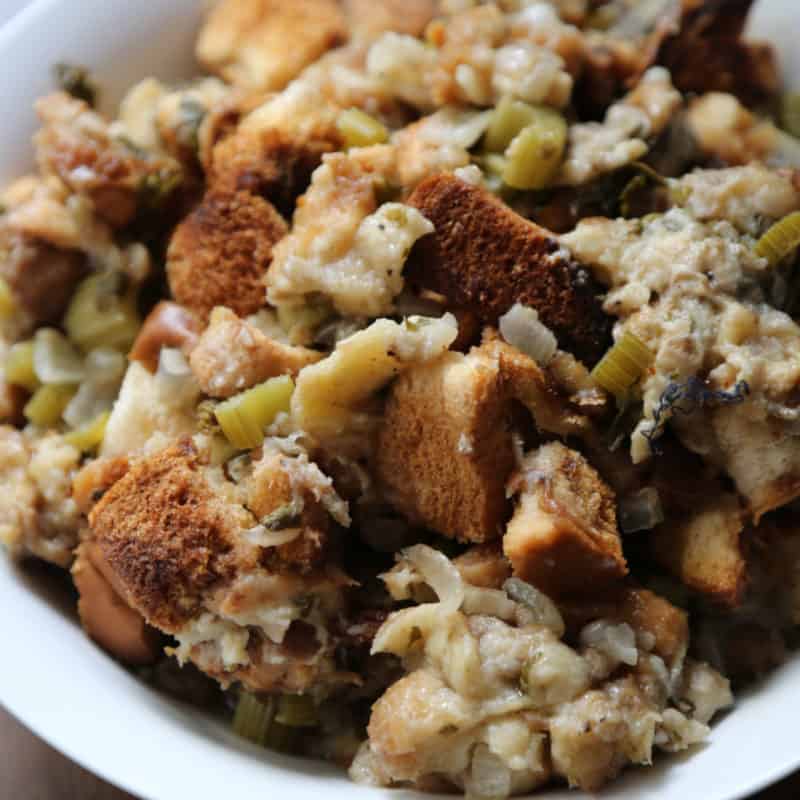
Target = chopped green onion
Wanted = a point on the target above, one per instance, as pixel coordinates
(535, 154)
(780, 240)
(508, 119)
(47, 404)
(98, 316)
(252, 718)
(90, 436)
(19, 369)
(623, 366)
(359, 129)
(296, 711)
(244, 417)
(7, 303)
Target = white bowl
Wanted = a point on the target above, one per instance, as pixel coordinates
(83, 703)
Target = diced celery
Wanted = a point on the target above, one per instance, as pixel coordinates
(359, 129)
(47, 404)
(535, 154)
(90, 436)
(244, 417)
(98, 317)
(296, 711)
(623, 366)
(19, 366)
(780, 240)
(508, 119)
(252, 718)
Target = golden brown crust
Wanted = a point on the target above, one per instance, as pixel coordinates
(269, 164)
(271, 490)
(485, 257)
(167, 325)
(164, 536)
(261, 45)
(219, 254)
(105, 616)
(95, 478)
(642, 609)
(484, 565)
(444, 450)
(563, 536)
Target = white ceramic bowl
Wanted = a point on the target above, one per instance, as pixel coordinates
(83, 703)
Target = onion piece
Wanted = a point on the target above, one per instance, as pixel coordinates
(55, 360)
(489, 777)
(440, 574)
(261, 537)
(521, 328)
(640, 511)
(403, 628)
(544, 609)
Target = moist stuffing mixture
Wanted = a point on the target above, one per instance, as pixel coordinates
(421, 387)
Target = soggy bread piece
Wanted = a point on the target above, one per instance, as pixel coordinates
(563, 537)
(219, 254)
(704, 547)
(106, 617)
(485, 257)
(444, 451)
(368, 19)
(268, 163)
(484, 565)
(167, 325)
(232, 355)
(640, 608)
(260, 45)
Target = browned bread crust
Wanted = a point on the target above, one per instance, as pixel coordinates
(165, 536)
(269, 164)
(563, 537)
(444, 450)
(484, 257)
(219, 254)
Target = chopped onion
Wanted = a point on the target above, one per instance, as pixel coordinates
(489, 777)
(543, 608)
(640, 511)
(55, 360)
(260, 536)
(105, 369)
(440, 574)
(521, 328)
(617, 641)
(402, 628)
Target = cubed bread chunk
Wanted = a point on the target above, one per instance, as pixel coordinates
(219, 254)
(485, 257)
(106, 617)
(269, 164)
(165, 536)
(563, 536)
(167, 325)
(640, 608)
(444, 451)
(260, 45)
(232, 355)
(368, 19)
(704, 547)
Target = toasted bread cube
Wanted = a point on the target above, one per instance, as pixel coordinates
(219, 254)
(260, 45)
(106, 617)
(445, 451)
(368, 19)
(166, 537)
(485, 257)
(704, 547)
(268, 163)
(232, 355)
(563, 537)
(640, 608)
(484, 565)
